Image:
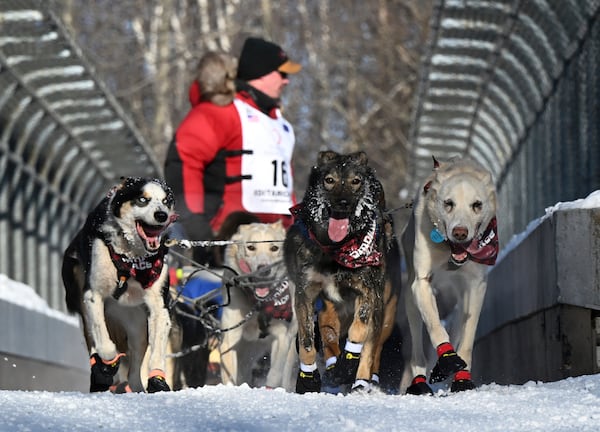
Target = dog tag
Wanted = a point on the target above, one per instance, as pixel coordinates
(436, 236)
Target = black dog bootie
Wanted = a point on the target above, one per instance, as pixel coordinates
(419, 386)
(102, 373)
(308, 382)
(157, 382)
(448, 363)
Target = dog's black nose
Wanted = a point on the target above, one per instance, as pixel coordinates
(161, 216)
(460, 233)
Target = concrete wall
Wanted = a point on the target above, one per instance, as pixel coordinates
(541, 315)
(40, 352)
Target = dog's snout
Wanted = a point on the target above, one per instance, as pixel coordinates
(161, 216)
(263, 270)
(460, 233)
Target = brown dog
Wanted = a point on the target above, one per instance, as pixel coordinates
(337, 251)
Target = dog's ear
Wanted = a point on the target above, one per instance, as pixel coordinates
(360, 157)
(123, 192)
(279, 224)
(326, 157)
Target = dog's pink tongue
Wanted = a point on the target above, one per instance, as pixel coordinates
(338, 229)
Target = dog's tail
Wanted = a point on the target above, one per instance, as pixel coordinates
(73, 279)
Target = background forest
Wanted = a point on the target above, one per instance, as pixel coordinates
(355, 92)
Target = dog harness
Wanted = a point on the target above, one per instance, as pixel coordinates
(278, 305)
(358, 251)
(146, 270)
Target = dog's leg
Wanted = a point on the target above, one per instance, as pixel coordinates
(279, 350)
(104, 359)
(329, 330)
(94, 308)
(291, 360)
(417, 367)
(471, 310)
(362, 335)
(448, 361)
(389, 316)
(229, 358)
(309, 379)
(159, 326)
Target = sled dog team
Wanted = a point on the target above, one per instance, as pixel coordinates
(311, 305)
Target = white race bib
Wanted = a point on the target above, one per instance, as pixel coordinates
(271, 142)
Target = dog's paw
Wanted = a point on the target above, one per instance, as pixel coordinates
(308, 382)
(462, 382)
(419, 387)
(448, 363)
(157, 383)
(346, 368)
(361, 386)
(103, 372)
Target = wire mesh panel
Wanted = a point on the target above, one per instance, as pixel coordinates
(515, 85)
(64, 141)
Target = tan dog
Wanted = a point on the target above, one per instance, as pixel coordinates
(449, 242)
(259, 318)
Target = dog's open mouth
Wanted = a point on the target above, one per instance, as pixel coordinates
(459, 258)
(261, 293)
(150, 234)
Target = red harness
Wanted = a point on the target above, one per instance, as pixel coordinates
(146, 270)
(277, 305)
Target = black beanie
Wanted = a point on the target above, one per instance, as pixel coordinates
(259, 58)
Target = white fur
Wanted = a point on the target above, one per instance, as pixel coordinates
(241, 347)
(436, 292)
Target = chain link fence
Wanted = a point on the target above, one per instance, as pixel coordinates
(515, 85)
(64, 140)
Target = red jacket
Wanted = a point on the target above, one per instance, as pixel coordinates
(203, 166)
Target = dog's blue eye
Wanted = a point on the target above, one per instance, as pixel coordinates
(142, 201)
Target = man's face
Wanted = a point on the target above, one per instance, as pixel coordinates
(271, 84)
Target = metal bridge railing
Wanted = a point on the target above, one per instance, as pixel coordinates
(515, 84)
(64, 140)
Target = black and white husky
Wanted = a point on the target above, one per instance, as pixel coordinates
(118, 258)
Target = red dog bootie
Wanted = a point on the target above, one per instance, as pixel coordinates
(462, 381)
(419, 386)
(448, 363)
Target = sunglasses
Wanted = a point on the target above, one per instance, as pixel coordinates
(284, 75)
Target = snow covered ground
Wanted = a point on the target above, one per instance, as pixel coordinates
(569, 405)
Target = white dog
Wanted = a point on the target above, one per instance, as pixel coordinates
(259, 318)
(449, 241)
